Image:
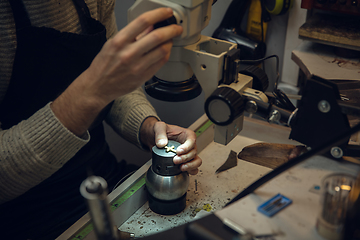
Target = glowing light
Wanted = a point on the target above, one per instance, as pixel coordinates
(345, 187)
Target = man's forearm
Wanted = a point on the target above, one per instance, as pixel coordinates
(76, 108)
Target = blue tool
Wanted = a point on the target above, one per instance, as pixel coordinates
(274, 205)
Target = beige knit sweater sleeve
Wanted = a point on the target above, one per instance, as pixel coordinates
(34, 149)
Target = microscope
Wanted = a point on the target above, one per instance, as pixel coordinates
(201, 63)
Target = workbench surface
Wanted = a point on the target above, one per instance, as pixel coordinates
(209, 192)
(301, 184)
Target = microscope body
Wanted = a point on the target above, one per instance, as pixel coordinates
(193, 55)
(199, 63)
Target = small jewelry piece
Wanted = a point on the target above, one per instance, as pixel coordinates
(172, 149)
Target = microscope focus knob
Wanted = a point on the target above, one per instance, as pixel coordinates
(224, 106)
(166, 22)
(260, 78)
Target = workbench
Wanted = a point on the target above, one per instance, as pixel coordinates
(209, 192)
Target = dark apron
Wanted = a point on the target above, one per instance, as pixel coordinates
(45, 64)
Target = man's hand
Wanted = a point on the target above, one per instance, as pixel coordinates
(127, 60)
(154, 132)
(124, 63)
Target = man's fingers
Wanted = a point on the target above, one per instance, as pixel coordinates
(178, 159)
(161, 139)
(157, 37)
(141, 23)
(192, 165)
(186, 156)
(144, 33)
(189, 143)
(154, 60)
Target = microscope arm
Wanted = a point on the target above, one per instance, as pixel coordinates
(268, 111)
